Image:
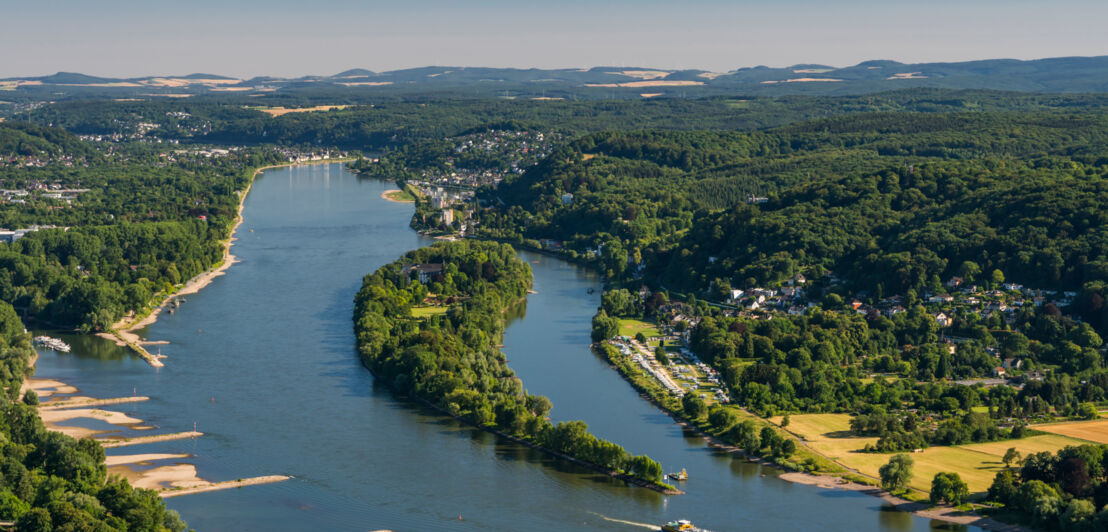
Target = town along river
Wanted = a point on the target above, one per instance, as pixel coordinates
(263, 361)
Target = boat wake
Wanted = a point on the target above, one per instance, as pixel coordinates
(633, 523)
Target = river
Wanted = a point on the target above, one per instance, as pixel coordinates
(263, 362)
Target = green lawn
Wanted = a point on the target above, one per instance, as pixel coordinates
(401, 195)
(631, 327)
(423, 312)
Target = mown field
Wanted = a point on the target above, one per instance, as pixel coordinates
(1094, 431)
(829, 435)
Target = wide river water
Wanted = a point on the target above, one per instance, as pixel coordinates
(263, 362)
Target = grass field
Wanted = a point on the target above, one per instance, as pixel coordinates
(423, 312)
(629, 327)
(1094, 431)
(977, 464)
(400, 195)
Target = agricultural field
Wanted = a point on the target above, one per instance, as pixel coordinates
(1094, 431)
(280, 111)
(829, 435)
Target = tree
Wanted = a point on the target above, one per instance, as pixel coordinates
(1011, 456)
(1078, 516)
(896, 474)
(722, 418)
(640, 338)
(785, 421)
(948, 488)
(1073, 476)
(786, 448)
(997, 277)
(745, 435)
(660, 355)
(693, 406)
(1004, 488)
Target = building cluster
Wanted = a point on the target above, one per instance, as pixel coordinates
(39, 190)
(504, 153)
(11, 235)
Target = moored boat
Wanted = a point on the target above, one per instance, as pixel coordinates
(681, 475)
(52, 343)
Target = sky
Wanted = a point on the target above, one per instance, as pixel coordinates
(246, 38)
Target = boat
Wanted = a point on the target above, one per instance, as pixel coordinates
(681, 475)
(680, 525)
(52, 343)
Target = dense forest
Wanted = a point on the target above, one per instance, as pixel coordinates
(824, 194)
(119, 226)
(50, 481)
(429, 325)
(375, 123)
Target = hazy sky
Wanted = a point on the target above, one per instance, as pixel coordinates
(288, 38)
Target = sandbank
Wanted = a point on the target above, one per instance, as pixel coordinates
(108, 416)
(140, 459)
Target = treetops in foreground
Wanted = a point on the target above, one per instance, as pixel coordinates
(1066, 491)
(451, 358)
(50, 481)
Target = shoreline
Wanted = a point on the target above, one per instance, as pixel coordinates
(577, 461)
(123, 332)
(917, 509)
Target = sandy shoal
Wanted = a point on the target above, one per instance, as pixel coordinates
(109, 416)
(141, 459)
(158, 478)
(48, 387)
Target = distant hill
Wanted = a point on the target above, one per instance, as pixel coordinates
(1055, 75)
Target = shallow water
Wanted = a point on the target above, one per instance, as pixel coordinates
(263, 362)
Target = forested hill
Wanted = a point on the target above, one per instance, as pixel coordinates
(636, 190)
(1061, 74)
(1023, 195)
(20, 139)
(372, 123)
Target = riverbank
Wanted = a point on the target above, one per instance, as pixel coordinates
(123, 333)
(664, 490)
(168, 480)
(828, 481)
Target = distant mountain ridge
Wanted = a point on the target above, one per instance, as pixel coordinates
(1061, 74)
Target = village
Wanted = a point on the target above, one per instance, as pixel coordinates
(682, 372)
(487, 158)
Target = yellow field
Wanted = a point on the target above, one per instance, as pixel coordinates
(977, 464)
(278, 111)
(1094, 431)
